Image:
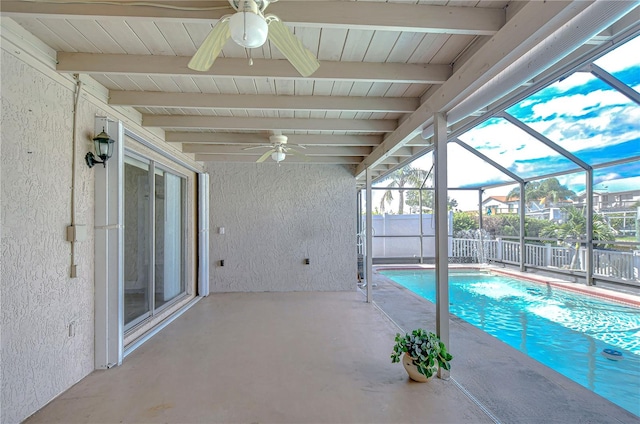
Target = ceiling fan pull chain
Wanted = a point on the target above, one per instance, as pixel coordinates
(250, 58)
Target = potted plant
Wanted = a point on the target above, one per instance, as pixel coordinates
(423, 354)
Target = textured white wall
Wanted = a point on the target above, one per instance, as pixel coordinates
(275, 217)
(38, 298)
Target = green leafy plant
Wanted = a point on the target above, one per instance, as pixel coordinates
(426, 350)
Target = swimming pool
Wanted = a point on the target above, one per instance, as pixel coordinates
(566, 331)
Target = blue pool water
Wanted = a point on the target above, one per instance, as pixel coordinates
(564, 330)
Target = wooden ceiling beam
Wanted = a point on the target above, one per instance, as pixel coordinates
(405, 73)
(213, 149)
(278, 124)
(263, 102)
(93, 63)
(319, 14)
(257, 138)
(324, 160)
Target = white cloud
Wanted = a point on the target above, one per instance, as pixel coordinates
(505, 143)
(578, 104)
(574, 80)
(586, 121)
(608, 177)
(621, 58)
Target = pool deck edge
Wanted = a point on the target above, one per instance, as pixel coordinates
(624, 298)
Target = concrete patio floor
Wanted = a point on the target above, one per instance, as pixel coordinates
(265, 358)
(320, 357)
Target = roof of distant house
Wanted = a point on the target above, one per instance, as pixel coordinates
(502, 199)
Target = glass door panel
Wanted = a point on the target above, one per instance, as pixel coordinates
(136, 243)
(159, 239)
(169, 230)
(154, 239)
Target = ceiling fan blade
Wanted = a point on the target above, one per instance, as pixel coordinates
(211, 46)
(265, 156)
(299, 154)
(291, 47)
(262, 146)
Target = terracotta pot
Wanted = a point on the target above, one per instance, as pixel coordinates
(412, 370)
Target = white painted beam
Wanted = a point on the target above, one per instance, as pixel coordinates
(92, 63)
(333, 14)
(118, 12)
(213, 149)
(263, 102)
(257, 138)
(324, 160)
(391, 17)
(403, 152)
(283, 124)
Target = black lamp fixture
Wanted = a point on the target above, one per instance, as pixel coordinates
(104, 149)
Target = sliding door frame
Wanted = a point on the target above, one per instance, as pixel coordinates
(109, 244)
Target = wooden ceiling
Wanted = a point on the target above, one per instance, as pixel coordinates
(385, 68)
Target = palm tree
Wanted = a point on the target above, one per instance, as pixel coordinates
(548, 192)
(575, 227)
(407, 176)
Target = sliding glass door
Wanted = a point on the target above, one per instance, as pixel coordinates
(169, 237)
(154, 234)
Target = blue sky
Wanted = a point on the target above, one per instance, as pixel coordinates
(580, 113)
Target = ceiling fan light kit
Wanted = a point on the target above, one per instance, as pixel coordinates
(278, 156)
(248, 29)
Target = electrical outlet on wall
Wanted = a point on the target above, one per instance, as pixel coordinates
(72, 329)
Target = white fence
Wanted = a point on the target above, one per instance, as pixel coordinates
(606, 263)
(397, 236)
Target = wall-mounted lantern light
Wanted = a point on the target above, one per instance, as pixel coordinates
(104, 149)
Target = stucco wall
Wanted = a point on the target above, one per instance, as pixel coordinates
(275, 217)
(38, 298)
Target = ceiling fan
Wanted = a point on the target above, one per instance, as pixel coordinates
(278, 149)
(249, 27)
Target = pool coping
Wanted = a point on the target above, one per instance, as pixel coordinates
(598, 292)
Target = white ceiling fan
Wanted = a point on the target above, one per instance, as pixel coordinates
(249, 27)
(278, 149)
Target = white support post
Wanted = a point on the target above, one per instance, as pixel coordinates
(480, 223)
(369, 242)
(589, 254)
(420, 225)
(521, 215)
(442, 234)
(109, 251)
(203, 235)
